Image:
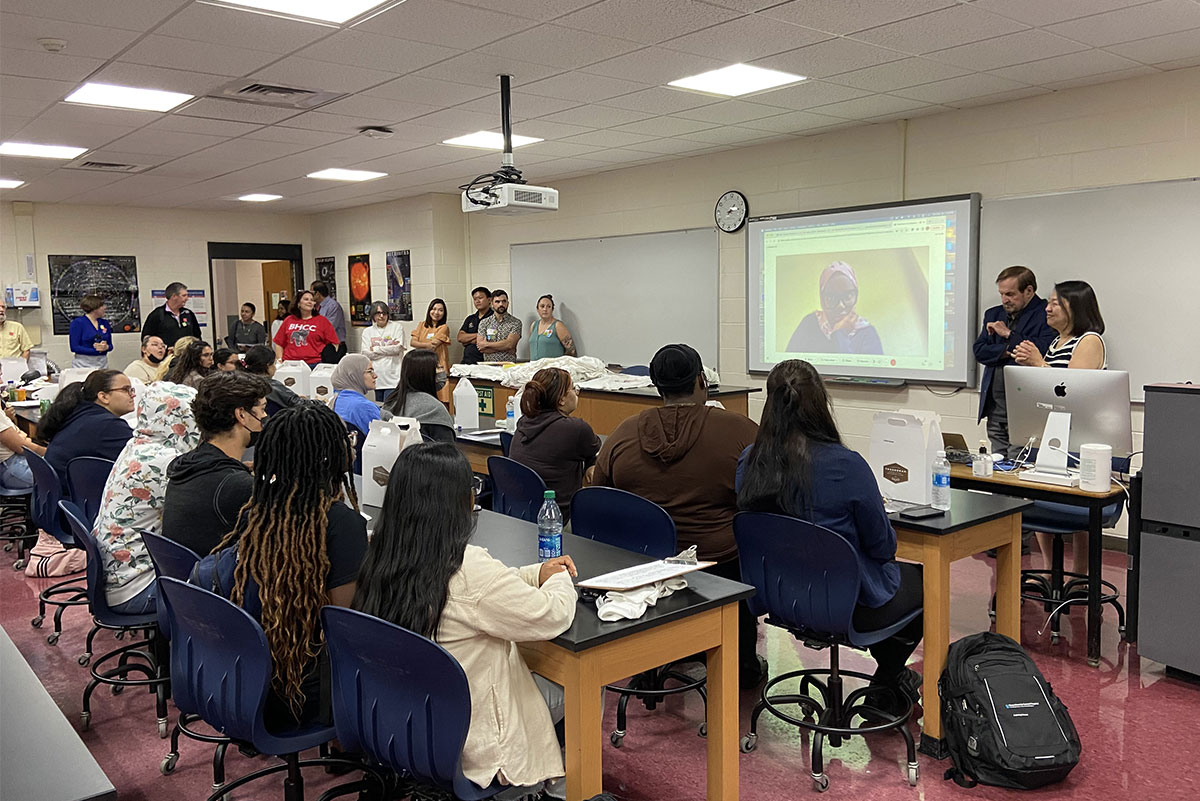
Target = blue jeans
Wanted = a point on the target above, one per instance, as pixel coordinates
(15, 473)
(142, 603)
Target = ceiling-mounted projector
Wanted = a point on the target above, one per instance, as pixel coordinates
(510, 199)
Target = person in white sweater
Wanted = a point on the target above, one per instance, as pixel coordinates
(384, 343)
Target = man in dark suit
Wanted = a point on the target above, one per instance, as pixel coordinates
(1021, 315)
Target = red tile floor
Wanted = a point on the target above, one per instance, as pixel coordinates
(1140, 729)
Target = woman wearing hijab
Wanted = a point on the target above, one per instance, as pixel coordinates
(836, 326)
(353, 381)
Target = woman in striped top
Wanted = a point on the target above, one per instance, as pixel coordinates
(1073, 311)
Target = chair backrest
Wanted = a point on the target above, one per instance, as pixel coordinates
(517, 491)
(636, 369)
(47, 492)
(171, 560)
(404, 701)
(807, 576)
(86, 477)
(620, 518)
(505, 442)
(97, 600)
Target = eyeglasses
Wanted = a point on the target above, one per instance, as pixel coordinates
(369, 371)
(129, 389)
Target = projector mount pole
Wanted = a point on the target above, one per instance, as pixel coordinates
(506, 119)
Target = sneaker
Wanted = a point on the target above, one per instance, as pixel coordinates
(752, 676)
(909, 683)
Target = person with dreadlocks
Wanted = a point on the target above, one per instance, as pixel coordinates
(296, 547)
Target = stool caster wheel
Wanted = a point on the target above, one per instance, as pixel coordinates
(616, 738)
(84, 660)
(1121, 631)
(117, 689)
(820, 782)
(992, 615)
(1054, 639)
(703, 730)
(167, 766)
(120, 635)
(85, 720)
(37, 622)
(748, 743)
(52, 638)
(17, 565)
(914, 773)
(8, 546)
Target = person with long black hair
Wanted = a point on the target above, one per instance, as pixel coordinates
(192, 366)
(416, 396)
(85, 420)
(433, 334)
(296, 547)
(421, 573)
(260, 360)
(799, 467)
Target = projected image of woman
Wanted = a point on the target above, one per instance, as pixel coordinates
(836, 327)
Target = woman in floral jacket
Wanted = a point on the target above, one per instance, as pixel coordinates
(133, 496)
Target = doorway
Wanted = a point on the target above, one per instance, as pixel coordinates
(262, 274)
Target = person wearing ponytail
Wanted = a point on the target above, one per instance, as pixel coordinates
(549, 441)
(799, 467)
(85, 420)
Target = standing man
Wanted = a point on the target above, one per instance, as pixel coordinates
(14, 339)
(499, 334)
(173, 319)
(1020, 316)
(329, 308)
(246, 332)
(482, 298)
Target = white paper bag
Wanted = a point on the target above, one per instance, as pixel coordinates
(295, 376)
(13, 369)
(903, 447)
(384, 442)
(71, 375)
(320, 382)
(466, 405)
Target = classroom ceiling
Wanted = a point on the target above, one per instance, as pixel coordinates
(589, 77)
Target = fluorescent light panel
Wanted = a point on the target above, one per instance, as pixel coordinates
(10, 183)
(489, 140)
(346, 175)
(259, 197)
(736, 80)
(106, 94)
(336, 11)
(40, 151)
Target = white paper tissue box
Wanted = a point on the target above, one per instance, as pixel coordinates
(903, 447)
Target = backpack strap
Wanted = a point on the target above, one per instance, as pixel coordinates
(959, 778)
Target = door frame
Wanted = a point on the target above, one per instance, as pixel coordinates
(256, 251)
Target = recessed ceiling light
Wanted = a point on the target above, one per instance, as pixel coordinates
(346, 175)
(736, 79)
(106, 94)
(489, 140)
(259, 198)
(10, 183)
(40, 151)
(337, 11)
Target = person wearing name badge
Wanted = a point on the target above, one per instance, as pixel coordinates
(146, 368)
(304, 334)
(91, 334)
(836, 327)
(173, 319)
(15, 342)
(246, 332)
(499, 334)
(383, 343)
(1074, 313)
(433, 334)
(481, 296)
(549, 338)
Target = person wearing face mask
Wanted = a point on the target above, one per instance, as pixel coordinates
(353, 381)
(208, 486)
(145, 369)
(836, 326)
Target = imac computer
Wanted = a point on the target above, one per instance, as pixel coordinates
(1061, 410)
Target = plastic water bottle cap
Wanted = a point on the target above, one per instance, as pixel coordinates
(549, 495)
(942, 454)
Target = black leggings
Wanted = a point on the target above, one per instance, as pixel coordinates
(747, 622)
(891, 654)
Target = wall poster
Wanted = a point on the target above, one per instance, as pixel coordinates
(399, 283)
(113, 278)
(325, 272)
(360, 289)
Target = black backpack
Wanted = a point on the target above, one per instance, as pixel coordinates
(1003, 724)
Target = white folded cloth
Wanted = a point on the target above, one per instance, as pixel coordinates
(632, 604)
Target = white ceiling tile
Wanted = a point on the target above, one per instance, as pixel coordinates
(70, 115)
(165, 143)
(428, 91)
(246, 151)
(545, 129)
(134, 15)
(20, 32)
(730, 112)
(116, 155)
(661, 100)
(187, 54)
(671, 126)
(949, 27)
(870, 106)
(793, 122)
(1126, 25)
(443, 23)
(53, 66)
(1004, 51)
(63, 184)
(808, 94)
(416, 159)
(556, 149)
(582, 87)
(955, 89)
(609, 139)
(524, 106)
(20, 107)
(328, 123)
(212, 108)
(198, 166)
(462, 121)
(147, 77)
(898, 74)
(848, 16)
(531, 9)
(226, 26)
(649, 23)
(477, 68)
(1184, 45)
(829, 58)
(199, 125)
(310, 74)
(727, 135)
(1102, 77)
(669, 146)
(1065, 68)
(556, 46)
(380, 109)
(745, 38)
(1041, 12)
(358, 48)
(654, 65)
(597, 116)
(14, 87)
(1000, 97)
(619, 156)
(134, 189)
(10, 125)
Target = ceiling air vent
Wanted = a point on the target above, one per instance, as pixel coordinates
(269, 94)
(106, 166)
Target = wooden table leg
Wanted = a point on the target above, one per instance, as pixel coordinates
(584, 710)
(1008, 584)
(723, 711)
(937, 640)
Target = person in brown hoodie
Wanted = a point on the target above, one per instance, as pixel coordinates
(683, 456)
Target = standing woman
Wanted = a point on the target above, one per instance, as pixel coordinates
(548, 337)
(281, 314)
(353, 381)
(91, 334)
(433, 334)
(304, 334)
(1073, 311)
(383, 343)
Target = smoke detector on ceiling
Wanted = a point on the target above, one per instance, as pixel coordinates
(377, 132)
(53, 45)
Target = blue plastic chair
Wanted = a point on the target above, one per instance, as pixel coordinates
(505, 442)
(807, 580)
(44, 509)
(153, 665)
(404, 702)
(16, 522)
(222, 665)
(170, 558)
(517, 491)
(86, 477)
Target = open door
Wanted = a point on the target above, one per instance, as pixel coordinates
(276, 283)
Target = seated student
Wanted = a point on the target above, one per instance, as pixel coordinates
(416, 396)
(260, 360)
(548, 440)
(133, 496)
(173, 352)
(192, 365)
(226, 361)
(798, 466)
(207, 487)
(296, 547)
(15, 473)
(353, 381)
(683, 456)
(85, 420)
(145, 369)
(420, 573)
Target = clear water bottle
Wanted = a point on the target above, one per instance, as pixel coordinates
(550, 523)
(510, 416)
(941, 482)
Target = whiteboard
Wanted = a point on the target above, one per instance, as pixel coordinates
(623, 297)
(1139, 248)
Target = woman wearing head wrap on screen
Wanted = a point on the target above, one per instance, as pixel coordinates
(836, 326)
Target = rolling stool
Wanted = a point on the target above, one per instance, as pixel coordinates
(16, 526)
